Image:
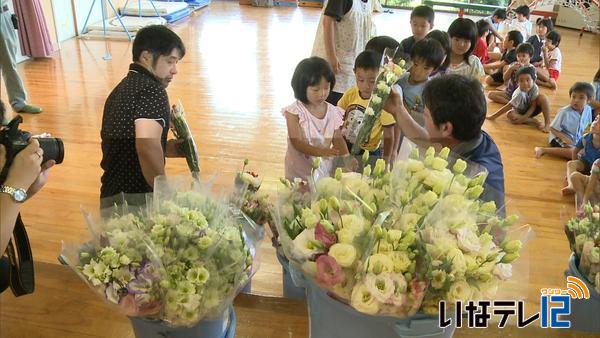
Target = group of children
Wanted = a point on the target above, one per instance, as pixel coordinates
(324, 125)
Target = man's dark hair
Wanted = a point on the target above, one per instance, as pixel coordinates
(309, 72)
(525, 47)
(425, 12)
(429, 50)
(444, 39)
(545, 22)
(554, 36)
(158, 40)
(500, 14)
(527, 70)
(464, 29)
(459, 100)
(516, 37)
(482, 27)
(582, 87)
(523, 9)
(368, 59)
(380, 43)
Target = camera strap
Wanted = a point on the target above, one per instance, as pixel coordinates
(20, 272)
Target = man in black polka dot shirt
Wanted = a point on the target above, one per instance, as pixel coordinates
(136, 117)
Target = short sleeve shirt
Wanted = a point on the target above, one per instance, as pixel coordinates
(537, 44)
(337, 8)
(509, 56)
(589, 154)
(571, 122)
(140, 95)
(556, 55)
(354, 106)
(521, 101)
(413, 97)
(473, 68)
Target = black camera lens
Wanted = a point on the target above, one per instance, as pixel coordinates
(53, 149)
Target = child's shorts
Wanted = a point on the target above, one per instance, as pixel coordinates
(558, 143)
(536, 111)
(553, 74)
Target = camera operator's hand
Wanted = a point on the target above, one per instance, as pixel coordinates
(26, 166)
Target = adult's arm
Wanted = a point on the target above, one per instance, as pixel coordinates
(149, 148)
(23, 171)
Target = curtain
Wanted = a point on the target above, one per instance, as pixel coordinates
(33, 32)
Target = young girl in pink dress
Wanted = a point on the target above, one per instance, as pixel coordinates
(313, 124)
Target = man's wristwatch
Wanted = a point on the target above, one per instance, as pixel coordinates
(19, 195)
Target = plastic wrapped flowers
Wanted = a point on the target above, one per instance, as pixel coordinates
(397, 242)
(181, 260)
(584, 238)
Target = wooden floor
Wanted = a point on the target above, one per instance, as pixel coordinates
(233, 82)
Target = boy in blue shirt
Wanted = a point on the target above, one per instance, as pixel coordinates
(570, 123)
(585, 153)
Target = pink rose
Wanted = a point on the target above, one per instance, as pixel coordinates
(328, 239)
(329, 272)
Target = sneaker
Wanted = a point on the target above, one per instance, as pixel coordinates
(30, 109)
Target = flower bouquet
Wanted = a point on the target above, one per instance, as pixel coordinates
(388, 76)
(182, 132)
(393, 244)
(254, 202)
(179, 262)
(583, 233)
(584, 238)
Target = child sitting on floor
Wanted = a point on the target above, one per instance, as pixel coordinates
(585, 153)
(524, 52)
(552, 61)
(496, 69)
(543, 26)
(463, 39)
(570, 123)
(526, 102)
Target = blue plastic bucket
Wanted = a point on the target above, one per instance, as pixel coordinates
(585, 313)
(330, 318)
(290, 290)
(219, 328)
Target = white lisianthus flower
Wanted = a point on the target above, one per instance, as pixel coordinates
(401, 261)
(346, 235)
(362, 300)
(468, 240)
(457, 259)
(369, 111)
(438, 278)
(381, 286)
(414, 165)
(459, 290)
(328, 186)
(379, 263)
(394, 235)
(375, 99)
(303, 248)
(309, 218)
(344, 254)
(503, 271)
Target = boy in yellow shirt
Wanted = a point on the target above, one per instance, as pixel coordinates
(354, 103)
